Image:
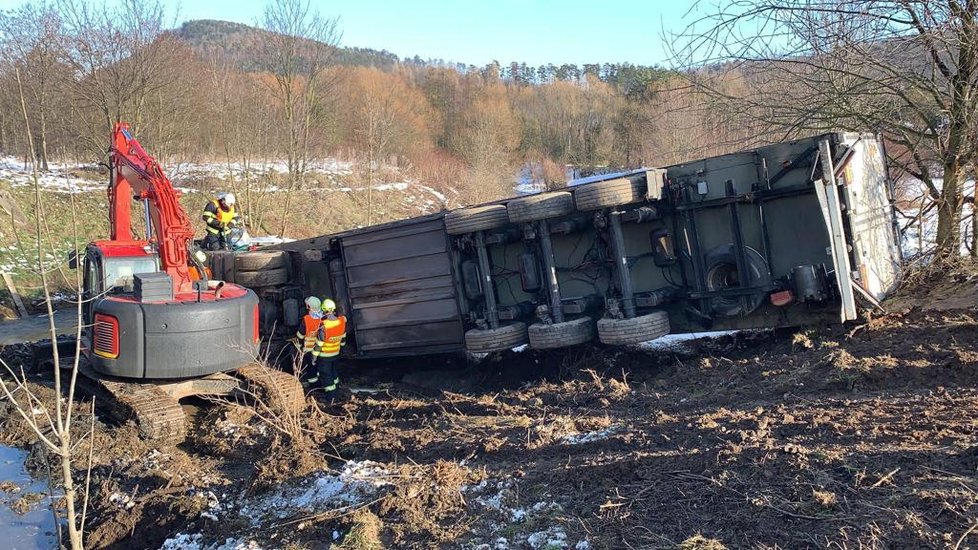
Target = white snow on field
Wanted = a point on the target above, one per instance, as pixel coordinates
(676, 342)
(500, 498)
(60, 178)
(330, 168)
(589, 437)
(356, 483)
(183, 541)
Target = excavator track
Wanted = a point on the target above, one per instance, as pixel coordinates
(279, 390)
(157, 414)
(155, 406)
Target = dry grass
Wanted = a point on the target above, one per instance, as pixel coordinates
(364, 533)
(699, 542)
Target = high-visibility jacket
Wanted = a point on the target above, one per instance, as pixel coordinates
(330, 337)
(308, 331)
(218, 220)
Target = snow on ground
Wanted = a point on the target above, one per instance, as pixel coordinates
(60, 178)
(589, 437)
(63, 178)
(501, 499)
(183, 541)
(356, 483)
(329, 168)
(675, 342)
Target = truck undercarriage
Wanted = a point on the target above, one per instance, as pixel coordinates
(785, 235)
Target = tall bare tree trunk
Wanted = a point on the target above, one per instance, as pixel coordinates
(949, 210)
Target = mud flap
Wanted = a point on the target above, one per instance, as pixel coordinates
(828, 199)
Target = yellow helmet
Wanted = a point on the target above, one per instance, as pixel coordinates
(329, 306)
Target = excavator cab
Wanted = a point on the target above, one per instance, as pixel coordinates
(110, 269)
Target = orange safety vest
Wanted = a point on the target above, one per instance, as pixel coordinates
(310, 329)
(330, 337)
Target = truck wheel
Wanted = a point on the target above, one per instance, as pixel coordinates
(258, 260)
(559, 335)
(605, 194)
(258, 279)
(479, 218)
(721, 274)
(620, 332)
(540, 207)
(499, 339)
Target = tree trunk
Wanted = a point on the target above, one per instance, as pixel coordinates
(949, 211)
(974, 224)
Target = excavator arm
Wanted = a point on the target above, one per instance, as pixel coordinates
(137, 176)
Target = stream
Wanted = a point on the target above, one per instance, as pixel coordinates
(26, 522)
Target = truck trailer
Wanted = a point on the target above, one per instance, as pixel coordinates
(789, 234)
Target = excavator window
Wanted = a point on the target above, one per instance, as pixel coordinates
(119, 272)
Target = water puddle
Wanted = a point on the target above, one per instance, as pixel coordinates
(26, 522)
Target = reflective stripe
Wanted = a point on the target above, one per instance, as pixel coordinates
(330, 337)
(213, 231)
(332, 387)
(209, 214)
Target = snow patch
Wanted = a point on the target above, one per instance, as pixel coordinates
(589, 437)
(554, 537)
(183, 541)
(357, 482)
(678, 342)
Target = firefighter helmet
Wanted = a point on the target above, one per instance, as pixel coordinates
(329, 306)
(313, 303)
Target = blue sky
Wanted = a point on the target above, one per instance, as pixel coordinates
(479, 31)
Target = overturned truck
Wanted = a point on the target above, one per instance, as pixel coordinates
(789, 234)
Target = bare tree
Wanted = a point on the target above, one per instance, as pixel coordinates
(386, 116)
(31, 40)
(122, 62)
(298, 51)
(906, 68)
(52, 427)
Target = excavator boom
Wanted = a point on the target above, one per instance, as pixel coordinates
(135, 174)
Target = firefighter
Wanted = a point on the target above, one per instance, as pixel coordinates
(329, 339)
(305, 338)
(219, 217)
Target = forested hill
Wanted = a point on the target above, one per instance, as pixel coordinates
(237, 43)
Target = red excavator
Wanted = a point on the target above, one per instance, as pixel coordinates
(158, 329)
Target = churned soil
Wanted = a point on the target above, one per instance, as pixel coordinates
(856, 436)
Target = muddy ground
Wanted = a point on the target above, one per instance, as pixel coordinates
(862, 436)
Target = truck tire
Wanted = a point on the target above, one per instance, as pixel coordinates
(479, 218)
(259, 260)
(560, 335)
(499, 339)
(540, 207)
(259, 279)
(621, 332)
(606, 194)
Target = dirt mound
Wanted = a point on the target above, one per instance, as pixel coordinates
(945, 285)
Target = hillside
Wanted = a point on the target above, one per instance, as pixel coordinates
(236, 43)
